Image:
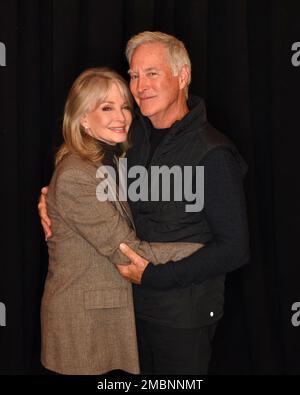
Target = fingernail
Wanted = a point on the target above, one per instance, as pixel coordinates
(122, 246)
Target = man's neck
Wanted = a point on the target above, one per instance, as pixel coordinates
(168, 120)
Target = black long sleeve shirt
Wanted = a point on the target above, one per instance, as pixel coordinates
(225, 211)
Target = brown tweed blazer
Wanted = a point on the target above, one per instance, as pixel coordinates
(87, 314)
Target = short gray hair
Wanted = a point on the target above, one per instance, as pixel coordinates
(178, 54)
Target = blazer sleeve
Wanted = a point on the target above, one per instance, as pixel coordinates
(102, 225)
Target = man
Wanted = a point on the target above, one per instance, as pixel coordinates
(178, 304)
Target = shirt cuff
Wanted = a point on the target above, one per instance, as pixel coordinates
(159, 276)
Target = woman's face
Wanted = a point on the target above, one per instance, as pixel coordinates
(110, 121)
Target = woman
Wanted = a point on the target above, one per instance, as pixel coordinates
(87, 311)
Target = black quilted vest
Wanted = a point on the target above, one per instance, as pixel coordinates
(186, 144)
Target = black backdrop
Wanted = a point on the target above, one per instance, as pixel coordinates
(241, 58)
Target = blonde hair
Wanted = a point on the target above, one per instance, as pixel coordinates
(88, 91)
(177, 52)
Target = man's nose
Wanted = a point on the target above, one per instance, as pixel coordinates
(142, 83)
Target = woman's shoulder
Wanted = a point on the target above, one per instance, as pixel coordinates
(71, 170)
(72, 162)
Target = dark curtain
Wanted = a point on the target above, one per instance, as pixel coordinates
(241, 57)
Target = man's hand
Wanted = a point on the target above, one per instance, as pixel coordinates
(42, 207)
(135, 270)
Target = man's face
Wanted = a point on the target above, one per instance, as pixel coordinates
(152, 83)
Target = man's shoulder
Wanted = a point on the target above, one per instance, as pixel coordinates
(216, 143)
(212, 137)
